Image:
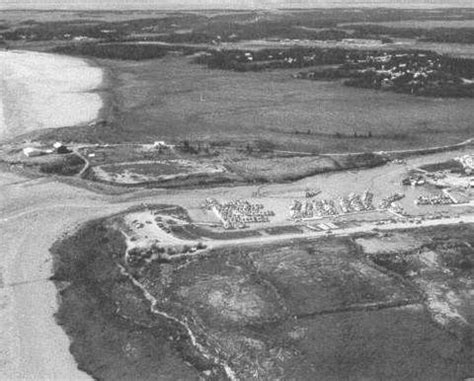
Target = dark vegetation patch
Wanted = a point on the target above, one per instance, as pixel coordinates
(64, 165)
(236, 26)
(453, 243)
(457, 256)
(193, 232)
(441, 34)
(297, 57)
(121, 51)
(113, 333)
(450, 165)
(52, 164)
(412, 72)
(391, 344)
(289, 229)
(442, 270)
(226, 297)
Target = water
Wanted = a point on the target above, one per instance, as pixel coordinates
(40, 90)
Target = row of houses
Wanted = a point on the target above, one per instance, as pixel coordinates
(441, 199)
(312, 208)
(239, 213)
(357, 203)
(326, 207)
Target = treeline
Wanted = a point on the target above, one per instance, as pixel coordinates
(61, 30)
(280, 29)
(239, 60)
(447, 35)
(419, 73)
(295, 57)
(120, 51)
(452, 35)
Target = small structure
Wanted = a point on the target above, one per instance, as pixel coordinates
(160, 145)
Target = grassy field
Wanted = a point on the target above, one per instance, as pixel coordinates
(171, 99)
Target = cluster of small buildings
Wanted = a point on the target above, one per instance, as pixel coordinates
(442, 199)
(326, 207)
(58, 147)
(312, 208)
(411, 70)
(387, 202)
(238, 213)
(393, 66)
(357, 203)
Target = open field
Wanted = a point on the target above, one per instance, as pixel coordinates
(171, 99)
(148, 171)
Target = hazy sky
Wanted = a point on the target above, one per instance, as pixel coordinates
(234, 4)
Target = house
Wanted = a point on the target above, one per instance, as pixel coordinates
(161, 145)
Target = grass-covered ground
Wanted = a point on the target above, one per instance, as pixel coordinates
(172, 99)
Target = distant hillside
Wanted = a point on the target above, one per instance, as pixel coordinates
(229, 4)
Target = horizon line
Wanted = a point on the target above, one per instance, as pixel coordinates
(414, 7)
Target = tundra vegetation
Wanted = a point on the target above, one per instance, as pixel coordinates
(304, 309)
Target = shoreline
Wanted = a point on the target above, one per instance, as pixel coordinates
(104, 90)
(49, 102)
(37, 347)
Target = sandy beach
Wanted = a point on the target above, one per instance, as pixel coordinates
(37, 91)
(40, 90)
